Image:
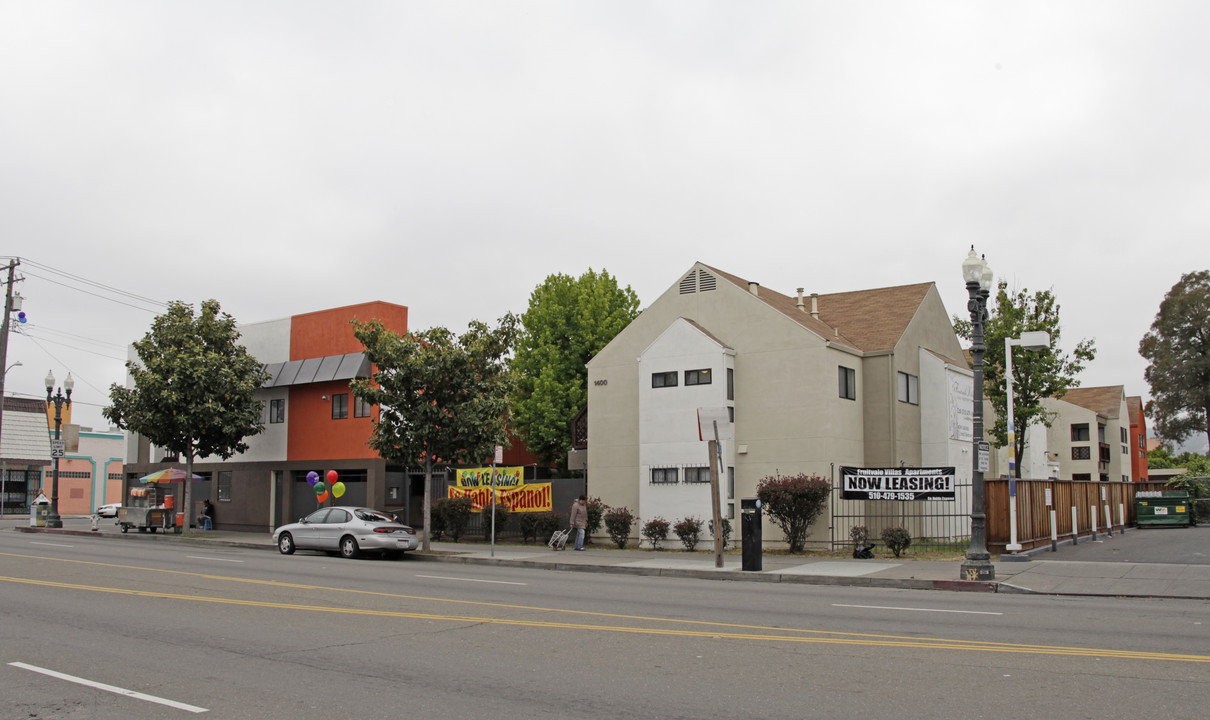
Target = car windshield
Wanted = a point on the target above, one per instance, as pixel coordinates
(373, 516)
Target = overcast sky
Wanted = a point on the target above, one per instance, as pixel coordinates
(291, 156)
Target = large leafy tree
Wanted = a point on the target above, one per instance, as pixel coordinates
(568, 321)
(194, 388)
(1177, 349)
(1036, 374)
(442, 398)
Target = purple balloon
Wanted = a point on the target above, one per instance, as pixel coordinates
(312, 478)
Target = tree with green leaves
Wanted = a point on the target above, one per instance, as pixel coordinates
(1177, 349)
(194, 388)
(568, 321)
(1037, 375)
(442, 398)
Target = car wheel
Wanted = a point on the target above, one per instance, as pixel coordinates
(125, 528)
(285, 544)
(348, 547)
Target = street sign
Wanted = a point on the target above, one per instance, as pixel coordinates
(983, 451)
(58, 448)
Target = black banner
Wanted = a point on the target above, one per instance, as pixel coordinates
(936, 483)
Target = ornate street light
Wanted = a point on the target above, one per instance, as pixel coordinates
(978, 276)
(53, 520)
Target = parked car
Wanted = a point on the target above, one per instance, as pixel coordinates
(347, 530)
(109, 511)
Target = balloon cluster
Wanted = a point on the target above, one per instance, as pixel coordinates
(21, 317)
(322, 489)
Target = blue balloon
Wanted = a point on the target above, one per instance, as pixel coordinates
(312, 478)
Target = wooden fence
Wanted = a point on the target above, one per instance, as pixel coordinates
(1098, 506)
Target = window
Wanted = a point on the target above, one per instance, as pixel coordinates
(1123, 433)
(848, 382)
(1100, 433)
(277, 410)
(361, 408)
(663, 476)
(730, 483)
(697, 474)
(340, 406)
(909, 389)
(664, 379)
(1142, 440)
(730, 414)
(224, 486)
(697, 377)
(1079, 433)
(730, 384)
(1081, 453)
(1081, 477)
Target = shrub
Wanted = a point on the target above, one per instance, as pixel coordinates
(596, 512)
(527, 525)
(546, 523)
(617, 523)
(896, 539)
(688, 530)
(455, 515)
(656, 531)
(794, 502)
(501, 519)
(726, 534)
(437, 522)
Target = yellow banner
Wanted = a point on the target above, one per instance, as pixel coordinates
(506, 477)
(533, 497)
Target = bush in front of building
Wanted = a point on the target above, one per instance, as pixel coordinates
(596, 513)
(793, 503)
(689, 530)
(726, 534)
(617, 523)
(538, 525)
(455, 514)
(656, 531)
(502, 513)
(896, 539)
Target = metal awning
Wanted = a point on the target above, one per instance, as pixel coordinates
(317, 370)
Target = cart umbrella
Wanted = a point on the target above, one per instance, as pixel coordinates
(168, 475)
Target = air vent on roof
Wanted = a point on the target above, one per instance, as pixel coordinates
(705, 281)
(687, 287)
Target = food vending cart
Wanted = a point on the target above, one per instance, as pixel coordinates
(150, 507)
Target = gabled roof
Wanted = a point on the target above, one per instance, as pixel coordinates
(1105, 400)
(1134, 406)
(866, 320)
(25, 436)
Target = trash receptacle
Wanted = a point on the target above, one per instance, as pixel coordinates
(751, 535)
(41, 513)
(1162, 507)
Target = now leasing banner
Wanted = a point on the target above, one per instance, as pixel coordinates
(935, 483)
(511, 489)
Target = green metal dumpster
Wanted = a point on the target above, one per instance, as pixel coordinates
(1162, 507)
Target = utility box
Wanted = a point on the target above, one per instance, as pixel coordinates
(751, 537)
(1162, 507)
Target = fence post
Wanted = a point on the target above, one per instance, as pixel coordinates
(1075, 528)
(1092, 516)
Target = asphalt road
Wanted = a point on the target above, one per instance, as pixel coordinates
(239, 633)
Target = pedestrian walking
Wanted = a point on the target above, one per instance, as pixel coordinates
(578, 520)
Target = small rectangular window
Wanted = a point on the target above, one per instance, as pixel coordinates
(730, 383)
(697, 474)
(361, 408)
(697, 377)
(1081, 477)
(730, 483)
(909, 389)
(1079, 432)
(730, 414)
(277, 410)
(664, 476)
(224, 486)
(663, 379)
(340, 406)
(1081, 453)
(848, 382)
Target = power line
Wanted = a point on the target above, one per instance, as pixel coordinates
(80, 290)
(92, 283)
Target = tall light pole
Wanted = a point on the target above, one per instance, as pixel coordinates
(978, 276)
(53, 520)
(1033, 340)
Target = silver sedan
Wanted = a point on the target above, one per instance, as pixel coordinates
(347, 530)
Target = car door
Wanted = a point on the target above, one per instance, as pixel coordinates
(330, 530)
(306, 533)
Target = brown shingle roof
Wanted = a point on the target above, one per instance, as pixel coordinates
(863, 319)
(1105, 400)
(1134, 406)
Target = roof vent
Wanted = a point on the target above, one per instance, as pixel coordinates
(754, 288)
(815, 305)
(705, 281)
(799, 303)
(687, 286)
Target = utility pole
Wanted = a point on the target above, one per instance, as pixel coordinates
(8, 311)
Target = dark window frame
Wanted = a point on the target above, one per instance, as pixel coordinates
(277, 411)
(362, 408)
(340, 406)
(661, 379)
(1079, 432)
(695, 377)
(909, 388)
(224, 486)
(662, 474)
(847, 382)
(697, 475)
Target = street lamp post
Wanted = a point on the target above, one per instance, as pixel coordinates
(978, 276)
(1034, 340)
(53, 520)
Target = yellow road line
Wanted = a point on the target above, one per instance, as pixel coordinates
(851, 639)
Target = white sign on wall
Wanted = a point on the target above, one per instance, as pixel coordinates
(961, 407)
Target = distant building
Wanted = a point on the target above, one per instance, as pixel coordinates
(24, 453)
(1138, 438)
(1090, 434)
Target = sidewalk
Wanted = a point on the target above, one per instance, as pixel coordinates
(1138, 563)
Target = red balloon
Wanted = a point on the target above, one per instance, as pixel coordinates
(332, 476)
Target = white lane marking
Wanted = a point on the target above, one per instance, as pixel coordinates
(201, 557)
(111, 688)
(880, 607)
(35, 542)
(494, 582)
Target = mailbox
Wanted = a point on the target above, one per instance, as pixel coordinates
(750, 528)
